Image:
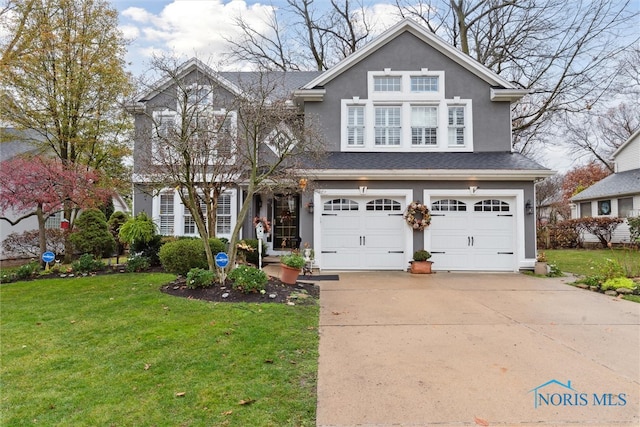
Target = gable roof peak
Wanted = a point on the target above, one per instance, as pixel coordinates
(423, 33)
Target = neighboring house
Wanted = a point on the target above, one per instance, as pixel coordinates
(405, 118)
(13, 143)
(617, 195)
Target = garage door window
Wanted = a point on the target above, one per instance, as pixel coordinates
(340, 205)
(449, 205)
(383, 205)
(491, 206)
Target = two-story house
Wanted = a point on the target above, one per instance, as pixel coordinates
(617, 195)
(405, 118)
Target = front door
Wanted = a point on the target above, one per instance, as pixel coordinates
(286, 235)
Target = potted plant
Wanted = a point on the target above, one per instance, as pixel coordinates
(541, 266)
(421, 263)
(290, 267)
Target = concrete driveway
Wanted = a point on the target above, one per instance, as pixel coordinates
(475, 349)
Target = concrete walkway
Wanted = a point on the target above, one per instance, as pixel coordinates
(469, 349)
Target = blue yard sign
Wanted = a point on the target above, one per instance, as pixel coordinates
(222, 259)
(48, 257)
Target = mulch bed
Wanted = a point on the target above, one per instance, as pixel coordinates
(275, 292)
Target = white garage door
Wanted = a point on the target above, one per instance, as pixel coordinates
(362, 233)
(473, 234)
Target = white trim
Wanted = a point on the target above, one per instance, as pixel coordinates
(519, 246)
(318, 195)
(430, 174)
(624, 144)
(510, 95)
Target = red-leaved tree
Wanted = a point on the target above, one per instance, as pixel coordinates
(39, 186)
(581, 177)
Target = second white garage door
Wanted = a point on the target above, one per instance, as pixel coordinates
(473, 234)
(360, 233)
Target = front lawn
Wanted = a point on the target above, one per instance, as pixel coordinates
(585, 261)
(114, 350)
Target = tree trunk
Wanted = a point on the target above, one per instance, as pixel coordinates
(42, 232)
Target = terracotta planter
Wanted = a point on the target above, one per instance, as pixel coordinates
(421, 267)
(288, 275)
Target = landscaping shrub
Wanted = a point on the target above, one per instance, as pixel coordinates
(618, 282)
(217, 246)
(591, 280)
(564, 235)
(92, 234)
(27, 271)
(148, 249)
(601, 227)
(137, 263)
(610, 269)
(200, 278)
(87, 264)
(182, 255)
(248, 279)
(117, 220)
(252, 257)
(634, 229)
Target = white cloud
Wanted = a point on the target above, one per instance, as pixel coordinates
(188, 28)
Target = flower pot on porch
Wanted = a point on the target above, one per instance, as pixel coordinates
(541, 268)
(289, 275)
(421, 267)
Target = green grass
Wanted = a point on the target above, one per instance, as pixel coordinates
(114, 350)
(585, 261)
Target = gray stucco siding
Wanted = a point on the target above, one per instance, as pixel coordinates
(491, 120)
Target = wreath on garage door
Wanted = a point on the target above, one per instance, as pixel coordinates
(417, 216)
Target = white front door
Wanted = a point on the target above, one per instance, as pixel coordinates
(362, 233)
(473, 233)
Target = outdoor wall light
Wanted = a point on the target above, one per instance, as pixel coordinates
(309, 206)
(363, 189)
(472, 189)
(528, 208)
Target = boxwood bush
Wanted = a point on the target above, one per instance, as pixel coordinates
(182, 255)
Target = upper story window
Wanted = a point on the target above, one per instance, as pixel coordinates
(387, 126)
(355, 125)
(456, 126)
(197, 95)
(387, 83)
(406, 111)
(424, 83)
(424, 125)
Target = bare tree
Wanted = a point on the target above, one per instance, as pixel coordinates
(211, 133)
(309, 34)
(276, 142)
(564, 54)
(193, 143)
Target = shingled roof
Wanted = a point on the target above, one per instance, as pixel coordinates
(430, 160)
(617, 184)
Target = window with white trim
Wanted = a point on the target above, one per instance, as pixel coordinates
(456, 123)
(424, 125)
(355, 125)
(387, 125)
(340, 205)
(223, 214)
(424, 83)
(166, 214)
(406, 111)
(491, 205)
(383, 205)
(53, 220)
(387, 83)
(449, 205)
(197, 95)
(189, 223)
